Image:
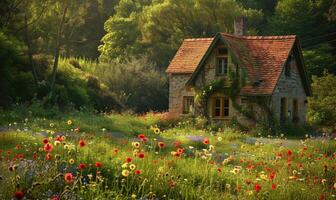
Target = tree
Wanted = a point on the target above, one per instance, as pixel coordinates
(305, 18)
(322, 104)
(123, 33)
(157, 29)
(332, 12)
(320, 59)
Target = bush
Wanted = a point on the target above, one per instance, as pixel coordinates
(322, 104)
(136, 83)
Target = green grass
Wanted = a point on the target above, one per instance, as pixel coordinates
(200, 172)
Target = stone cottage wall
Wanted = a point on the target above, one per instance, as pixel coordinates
(177, 90)
(291, 88)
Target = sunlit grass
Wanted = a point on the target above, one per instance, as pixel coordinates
(230, 166)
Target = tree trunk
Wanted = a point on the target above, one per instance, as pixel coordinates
(57, 48)
(30, 51)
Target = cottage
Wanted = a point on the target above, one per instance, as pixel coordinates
(249, 78)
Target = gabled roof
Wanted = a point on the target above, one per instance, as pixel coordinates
(189, 55)
(263, 57)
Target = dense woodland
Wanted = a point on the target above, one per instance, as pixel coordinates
(111, 54)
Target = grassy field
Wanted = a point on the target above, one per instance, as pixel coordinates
(98, 156)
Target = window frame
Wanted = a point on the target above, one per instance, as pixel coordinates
(222, 69)
(186, 105)
(223, 108)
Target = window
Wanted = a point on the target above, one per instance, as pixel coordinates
(222, 66)
(188, 104)
(295, 111)
(221, 107)
(222, 61)
(283, 109)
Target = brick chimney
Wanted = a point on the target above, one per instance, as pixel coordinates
(240, 25)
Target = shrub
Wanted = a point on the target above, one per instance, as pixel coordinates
(136, 83)
(322, 104)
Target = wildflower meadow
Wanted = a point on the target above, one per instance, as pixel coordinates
(75, 158)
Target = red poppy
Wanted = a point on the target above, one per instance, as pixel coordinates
(141, 155)
(81, 166)
(219, 170)
(144, 139)
(116, 150)
(180, 150)
(138, 171)
(177, 154)
(17, 147)
(177, 143)
(99, 164)
(49, 156)
(59, 138)
(289, 152)
(54, 197)
(274, 186)
(45, 141)
(128, 159)
(161, 144)
(48, 147)
(35, 156)
(248, 181)
(206, 141)
(322, 197)
(82, 143)
(18, 195)
(271, 176)
(141, 136)
(238, 188)
(257, 187)
(68, 177)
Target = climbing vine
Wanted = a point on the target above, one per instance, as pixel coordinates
(231, 87)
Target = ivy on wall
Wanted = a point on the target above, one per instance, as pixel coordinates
(231, 87)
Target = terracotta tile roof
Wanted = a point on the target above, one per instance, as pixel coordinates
(263, 58)
(189, 55)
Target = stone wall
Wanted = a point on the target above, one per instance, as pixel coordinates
(290, 87)
(177, 90)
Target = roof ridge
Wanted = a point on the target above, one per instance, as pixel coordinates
(198, 39)
(257, 37)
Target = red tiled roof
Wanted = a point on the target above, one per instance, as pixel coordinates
(263, 57)
(189, 55)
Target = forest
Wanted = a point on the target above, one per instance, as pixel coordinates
(91, 54)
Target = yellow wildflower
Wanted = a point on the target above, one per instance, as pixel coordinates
(56, 143)
(125, 172)
(69, 122)
(156, 131)
(136, 144)
(71, 161)
(132, 166)
(125, 165)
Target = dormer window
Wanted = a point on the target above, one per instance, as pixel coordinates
(222, 62)
(222, 66)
